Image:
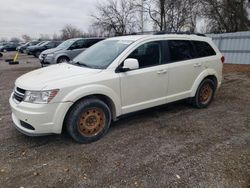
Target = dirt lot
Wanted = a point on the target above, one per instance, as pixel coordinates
(170, 146)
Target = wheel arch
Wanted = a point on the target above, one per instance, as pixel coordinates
(207, 74)
(104, 98)
(62, 55)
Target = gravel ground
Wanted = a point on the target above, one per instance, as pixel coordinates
(170, 146)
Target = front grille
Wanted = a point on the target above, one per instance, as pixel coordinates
(19, 94)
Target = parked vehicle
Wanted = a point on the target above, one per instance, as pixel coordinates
(67, 50)
(22, 48)
(37, 50)
(34, 46)
(115, 77)
(9, 47)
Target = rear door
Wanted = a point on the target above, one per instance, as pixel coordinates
(184, 68)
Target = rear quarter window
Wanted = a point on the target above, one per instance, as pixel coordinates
(203, 49)
(180, 50)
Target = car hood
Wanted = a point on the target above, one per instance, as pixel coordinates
(52, 50)
(41, 78)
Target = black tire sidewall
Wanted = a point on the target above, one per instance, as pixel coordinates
(77, 110)
(197, 101)
(59, 60)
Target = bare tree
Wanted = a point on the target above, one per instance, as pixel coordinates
(26, 38)
(70, 31)
(15, 39)
(44, 37)
(173, 15)
(56, 37)
(116, 17)
(226, 15)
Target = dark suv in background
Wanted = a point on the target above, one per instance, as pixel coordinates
(37, 50)
(66, 51)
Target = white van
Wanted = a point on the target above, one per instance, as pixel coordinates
(114, 77)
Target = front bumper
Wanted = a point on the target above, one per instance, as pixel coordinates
(47, 59)
(44, 118)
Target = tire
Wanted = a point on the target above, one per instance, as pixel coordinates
(204, 94)
(88, 120)
(62, 59)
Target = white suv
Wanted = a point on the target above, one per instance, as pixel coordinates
(115, 77)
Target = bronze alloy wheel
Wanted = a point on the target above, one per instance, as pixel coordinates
(91, 122)
(206, 93)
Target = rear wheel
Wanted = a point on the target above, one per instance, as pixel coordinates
(204, 94)
(62, 59)
(88, 120)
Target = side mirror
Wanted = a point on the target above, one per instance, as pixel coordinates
(130, 64)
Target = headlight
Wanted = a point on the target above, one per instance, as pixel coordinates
(50, 55)
(40, 97)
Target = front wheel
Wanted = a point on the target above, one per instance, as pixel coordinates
(204, 94)
(88, 120)
(63, 59)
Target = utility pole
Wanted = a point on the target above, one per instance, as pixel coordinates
(142, 16)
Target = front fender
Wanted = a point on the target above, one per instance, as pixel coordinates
(202, 76)
(85, 91)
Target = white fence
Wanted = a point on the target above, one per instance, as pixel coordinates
(234, 46)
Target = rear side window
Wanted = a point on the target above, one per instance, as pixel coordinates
(180, 50)
(203, 49)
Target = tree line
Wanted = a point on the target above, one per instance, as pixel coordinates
(119, 17)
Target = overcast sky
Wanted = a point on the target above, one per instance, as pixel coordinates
(35, 17)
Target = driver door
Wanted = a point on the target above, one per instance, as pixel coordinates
(147, 86)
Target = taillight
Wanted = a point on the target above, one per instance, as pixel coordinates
(222, 59)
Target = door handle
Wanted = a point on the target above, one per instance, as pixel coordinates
(162, 72)
(197, 64)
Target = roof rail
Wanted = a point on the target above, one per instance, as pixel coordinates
(182, 33)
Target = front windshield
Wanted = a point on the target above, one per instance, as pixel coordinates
(66, 44)
(40, 44)
(102, 54)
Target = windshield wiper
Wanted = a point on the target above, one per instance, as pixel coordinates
(80, 64)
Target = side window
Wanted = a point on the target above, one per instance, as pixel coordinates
(180, 50)
(78, 44)
(203, 49)
(90, 42)
(148, 54)
(51, 44)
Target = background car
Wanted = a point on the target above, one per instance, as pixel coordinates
(23, 48)
(9, 47)
(36, 50)
(67, 50)
(33, 46)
